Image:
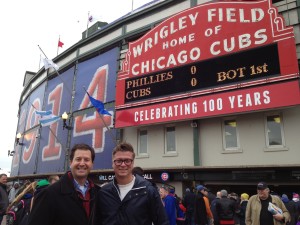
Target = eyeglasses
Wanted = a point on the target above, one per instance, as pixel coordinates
(118, 162)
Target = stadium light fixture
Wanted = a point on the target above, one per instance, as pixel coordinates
(65, 117)
(19, 135)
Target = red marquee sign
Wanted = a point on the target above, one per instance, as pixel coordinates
(210, 48)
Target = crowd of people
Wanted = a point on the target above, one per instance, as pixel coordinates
(129, 199)
(263, 208)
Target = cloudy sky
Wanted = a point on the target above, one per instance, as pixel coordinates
(27, 24)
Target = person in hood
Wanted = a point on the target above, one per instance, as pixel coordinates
(13, 191)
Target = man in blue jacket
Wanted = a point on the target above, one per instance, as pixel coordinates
(128, 199)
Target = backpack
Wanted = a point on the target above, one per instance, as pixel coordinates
(19, 213)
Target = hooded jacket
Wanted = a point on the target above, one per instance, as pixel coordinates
(141, 205)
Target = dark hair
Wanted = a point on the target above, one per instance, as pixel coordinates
(82, 147)
(138, 170)
(124, 147)
(52, 177)
(2, 175)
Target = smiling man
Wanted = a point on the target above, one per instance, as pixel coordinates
(70, 200)
(128, 199)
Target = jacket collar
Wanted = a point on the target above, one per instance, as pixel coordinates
(67, 185)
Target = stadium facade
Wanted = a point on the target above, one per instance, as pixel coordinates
(206, 92)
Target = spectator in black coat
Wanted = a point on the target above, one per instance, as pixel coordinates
(3, 196)
(225, 209)
(214, 208)
(71, 199)
(189, 203)
(242, 213)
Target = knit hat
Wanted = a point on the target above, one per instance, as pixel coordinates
(42, 183)
(201, 187)
(285, 198)
(245, 196)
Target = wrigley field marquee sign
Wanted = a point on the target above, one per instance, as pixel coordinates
(217, 58)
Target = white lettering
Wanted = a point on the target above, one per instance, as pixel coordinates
(166, 112)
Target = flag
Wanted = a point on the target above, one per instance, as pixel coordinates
(43, 113)
(46, 121)
(98, 105)
(60, 44)
(47, 118)
(48, 63)
(92, 18)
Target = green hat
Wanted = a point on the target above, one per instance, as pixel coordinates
(42, 183)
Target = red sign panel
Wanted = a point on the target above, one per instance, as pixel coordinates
(243, 100)
(210, 48)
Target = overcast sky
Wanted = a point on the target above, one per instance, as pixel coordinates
(27, 24)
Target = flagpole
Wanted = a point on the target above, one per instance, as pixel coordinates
(87, 25)
(57, 45)
(40, 62)
(132, 6)
(56, 137)
(43, 52)
(51, 130)
(58, 75)
(108, 129)
(63, 146)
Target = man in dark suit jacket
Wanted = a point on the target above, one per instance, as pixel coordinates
(189, 203)
(70, 200)
(3, 195)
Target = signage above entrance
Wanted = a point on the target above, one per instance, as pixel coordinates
(213, 47)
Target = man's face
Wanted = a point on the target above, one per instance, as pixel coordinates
(123, 170)
(81, 164)
(3, 179)
(204, 192)
(263, 194)
(163, 193)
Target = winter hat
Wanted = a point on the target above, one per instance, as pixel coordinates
(201, 187)
(295, 197)
(42, 183)
(285, 198)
